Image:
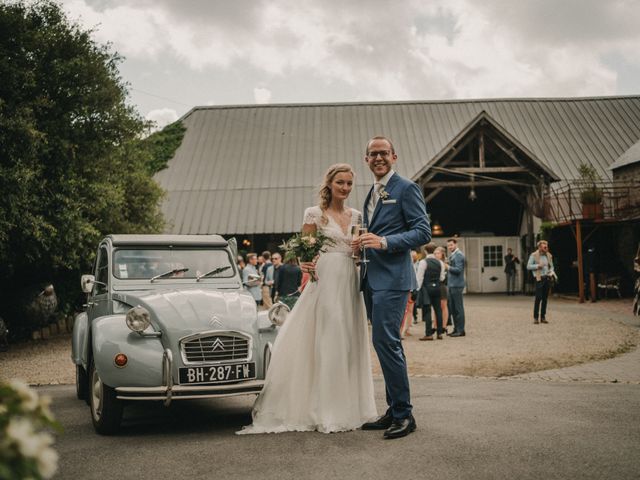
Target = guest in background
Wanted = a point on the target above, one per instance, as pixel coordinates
(430, 275)
(415, 295)
(276, 258)
(252, 285)
(510, 262)
(441, 254)
(241, 264)
(540, 264)
(455, 282)
(267, 279)
(288, 283)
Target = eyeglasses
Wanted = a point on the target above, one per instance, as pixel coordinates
(382, 153)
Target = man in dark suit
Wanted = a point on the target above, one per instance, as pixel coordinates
(455, 284)
(395, 213)
(288, 280)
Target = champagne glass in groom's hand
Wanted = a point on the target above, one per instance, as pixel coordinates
(363, 230)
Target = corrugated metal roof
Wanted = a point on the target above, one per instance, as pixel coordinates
(253, 169)
(627, 158)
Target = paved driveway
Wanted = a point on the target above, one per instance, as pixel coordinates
(467, 428)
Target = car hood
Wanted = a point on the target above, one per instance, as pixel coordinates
(186, 311)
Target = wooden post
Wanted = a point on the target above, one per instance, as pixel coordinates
(530, 246)
(592, 286)
(481, 150)
(580, 264)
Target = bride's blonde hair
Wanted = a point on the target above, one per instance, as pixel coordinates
(324, 193)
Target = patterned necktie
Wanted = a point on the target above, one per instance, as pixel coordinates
(375, 196)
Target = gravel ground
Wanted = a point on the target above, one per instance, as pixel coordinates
(501, 341)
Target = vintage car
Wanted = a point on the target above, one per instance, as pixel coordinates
(167, 318)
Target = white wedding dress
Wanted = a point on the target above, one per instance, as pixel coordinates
(320, 372)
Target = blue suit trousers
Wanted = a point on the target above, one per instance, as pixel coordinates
(385, 309)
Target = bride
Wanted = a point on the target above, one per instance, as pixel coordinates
(320, 372)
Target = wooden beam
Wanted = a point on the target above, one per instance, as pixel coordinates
(490, 169)
(475, 183)
(512, 156)
(515, 195)
(446, 158)
(432, 194)
(481, 150)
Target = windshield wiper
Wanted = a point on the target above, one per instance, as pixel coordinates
(215, 271)
(169, 272)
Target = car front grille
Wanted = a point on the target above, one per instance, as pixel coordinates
(216, 348)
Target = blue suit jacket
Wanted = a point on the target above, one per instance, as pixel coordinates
(402, 219)
(456, 270)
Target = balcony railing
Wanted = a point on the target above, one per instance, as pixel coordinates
(617, 201)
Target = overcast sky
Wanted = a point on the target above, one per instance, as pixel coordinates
(181, 54)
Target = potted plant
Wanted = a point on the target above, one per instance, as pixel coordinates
(590, 194)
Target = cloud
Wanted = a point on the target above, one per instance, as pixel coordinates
(162, 117)
(381, 49)
(262, 95)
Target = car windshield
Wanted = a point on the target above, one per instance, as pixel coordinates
(146, 263)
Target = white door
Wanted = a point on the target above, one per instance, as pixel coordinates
(492, 254)
(485, 263)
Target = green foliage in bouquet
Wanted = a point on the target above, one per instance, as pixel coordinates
(25, 450)
(305, 246)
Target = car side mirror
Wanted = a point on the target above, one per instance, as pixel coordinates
(86, 283)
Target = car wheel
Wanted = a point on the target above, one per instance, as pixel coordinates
(82, 383)
(106, 409)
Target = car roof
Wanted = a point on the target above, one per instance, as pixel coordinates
(166, 240)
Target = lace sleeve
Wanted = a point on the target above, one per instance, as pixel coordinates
(312, 216)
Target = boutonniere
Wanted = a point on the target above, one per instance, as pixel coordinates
(384, 195)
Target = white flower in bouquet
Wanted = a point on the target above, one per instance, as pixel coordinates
(25, 449)
(27, 395)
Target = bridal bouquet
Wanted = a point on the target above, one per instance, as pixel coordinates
(25, 450)
(306, 247)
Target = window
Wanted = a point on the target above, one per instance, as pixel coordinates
(102, 272)
(145, 263)
(493, 255)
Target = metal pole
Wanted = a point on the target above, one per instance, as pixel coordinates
(580, 264)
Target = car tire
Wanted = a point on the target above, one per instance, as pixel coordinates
(82, 383)
(106, 409)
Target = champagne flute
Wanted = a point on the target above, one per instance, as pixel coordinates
(355, 234)
(363, 230)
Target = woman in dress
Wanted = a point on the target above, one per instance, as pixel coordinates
(320, 376)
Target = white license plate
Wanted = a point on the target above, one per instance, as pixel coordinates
(217, 373)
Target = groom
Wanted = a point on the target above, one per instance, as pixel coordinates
(395, 213)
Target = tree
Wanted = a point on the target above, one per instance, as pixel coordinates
(73, 166)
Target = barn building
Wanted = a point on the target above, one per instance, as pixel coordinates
(493, 172)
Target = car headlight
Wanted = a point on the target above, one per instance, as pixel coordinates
(278, 313)
(138, 319)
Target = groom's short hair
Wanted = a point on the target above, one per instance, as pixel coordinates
(454, 240)
(380, 137)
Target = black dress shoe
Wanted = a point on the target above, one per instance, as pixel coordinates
(400, 428)
(457, 334)
(381, 423)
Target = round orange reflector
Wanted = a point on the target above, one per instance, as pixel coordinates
(120, 360)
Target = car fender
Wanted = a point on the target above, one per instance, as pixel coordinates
(80, 340)
(110, 336)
